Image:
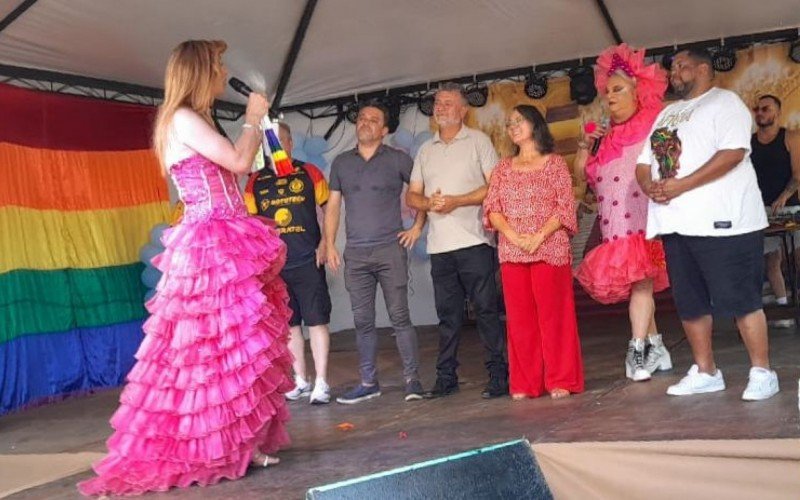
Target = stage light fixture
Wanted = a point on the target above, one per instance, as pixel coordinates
(536, 86)
(666, 61)
(425, 104)
(351, 114)
(794, 51)
(392, 103)
(477, 95)
(724, 59)
(581, 85)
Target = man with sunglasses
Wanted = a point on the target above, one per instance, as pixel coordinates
(776, 159)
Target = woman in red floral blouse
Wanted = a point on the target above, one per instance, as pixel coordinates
(531, 205)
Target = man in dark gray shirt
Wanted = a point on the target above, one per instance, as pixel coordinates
(370, 179)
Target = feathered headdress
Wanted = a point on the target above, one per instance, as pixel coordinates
(651, 79)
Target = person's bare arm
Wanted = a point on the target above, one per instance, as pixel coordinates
(720, 164)
(446, 203)
(322, 254)
(331, 227)
(415, 197)
(410, 236)
(197, 134)
(501, 225)
(793, 145)
(644, 177)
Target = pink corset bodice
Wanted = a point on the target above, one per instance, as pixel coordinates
(207, 190)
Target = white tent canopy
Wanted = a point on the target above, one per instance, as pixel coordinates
(356, 46)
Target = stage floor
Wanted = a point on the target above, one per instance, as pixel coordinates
(388, 432)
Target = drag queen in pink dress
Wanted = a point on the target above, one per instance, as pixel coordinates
(626, 266)
(205, 398)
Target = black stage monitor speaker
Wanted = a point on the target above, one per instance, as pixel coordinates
(503, 471)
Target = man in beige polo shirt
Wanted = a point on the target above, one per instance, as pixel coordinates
(449, 181)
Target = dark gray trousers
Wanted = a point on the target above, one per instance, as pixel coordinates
(364, 269)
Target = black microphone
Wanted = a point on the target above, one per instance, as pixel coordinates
(240, 87)
(596, 144)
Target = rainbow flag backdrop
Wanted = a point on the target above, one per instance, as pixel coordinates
(79, 191)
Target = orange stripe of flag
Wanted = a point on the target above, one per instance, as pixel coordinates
(48, 179)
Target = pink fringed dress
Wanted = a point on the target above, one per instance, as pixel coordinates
(207, 389)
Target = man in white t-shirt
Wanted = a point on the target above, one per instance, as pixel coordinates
(706, 206)
(449, 181)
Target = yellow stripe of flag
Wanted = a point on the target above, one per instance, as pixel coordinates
(53, 239)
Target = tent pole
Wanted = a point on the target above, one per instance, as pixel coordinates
(294, 50)
(87, 87)
(14, 14)
(601, 4)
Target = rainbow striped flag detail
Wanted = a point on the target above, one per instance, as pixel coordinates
(283, 164)
(80, 190)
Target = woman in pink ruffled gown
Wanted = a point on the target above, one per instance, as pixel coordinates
(626, 266)
(205, 398)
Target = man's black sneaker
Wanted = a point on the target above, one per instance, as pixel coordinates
(413, 390)
(358, 394)
(442, 388)
(495, 389)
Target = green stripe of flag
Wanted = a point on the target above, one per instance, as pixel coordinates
(33, 302)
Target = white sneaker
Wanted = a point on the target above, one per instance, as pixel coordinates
(781, 323)
(696, 382)
(301, 389)
(321, 395)
(762, 384)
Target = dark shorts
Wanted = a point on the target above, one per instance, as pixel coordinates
(308, 295)
(715, 275)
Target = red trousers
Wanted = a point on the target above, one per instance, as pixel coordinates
(544, 352)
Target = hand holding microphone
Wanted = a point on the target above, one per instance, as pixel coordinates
(593, 134)
(257, 104)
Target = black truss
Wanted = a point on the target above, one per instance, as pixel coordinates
(521, 72)
(97, 88)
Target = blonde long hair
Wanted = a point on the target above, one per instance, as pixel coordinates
(192, 71)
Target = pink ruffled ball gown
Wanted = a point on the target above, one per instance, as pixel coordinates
(207, 389)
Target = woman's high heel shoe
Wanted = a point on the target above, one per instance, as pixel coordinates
(263, 460)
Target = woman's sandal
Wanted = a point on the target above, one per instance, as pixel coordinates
(263, 460)
(518, 397)
(559, 393)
